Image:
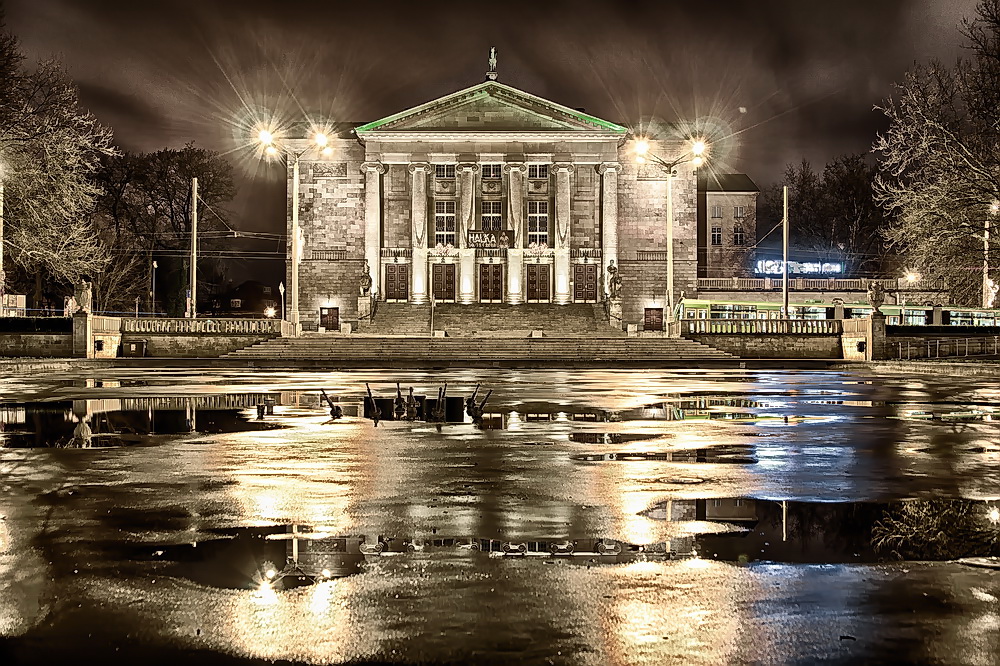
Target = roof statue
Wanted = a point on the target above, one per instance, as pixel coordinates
(492, 73)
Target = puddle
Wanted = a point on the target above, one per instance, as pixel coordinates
(729, 454)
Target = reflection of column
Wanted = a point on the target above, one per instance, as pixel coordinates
(373, 220)
(418, 232)
(609, 218)
(562, 231)
(515, 220)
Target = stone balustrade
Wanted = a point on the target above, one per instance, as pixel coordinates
(760, 326)
(218, 326)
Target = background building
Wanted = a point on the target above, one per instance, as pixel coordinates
(727, 225)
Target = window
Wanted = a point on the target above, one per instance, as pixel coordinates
(491, 218)
(235, 303)
(739, 238)
(491, 171)
(739, 212)
(267, 291)
(538, 171)
(716, 235)
(717, 211)
(444, 170)
(444, 222)
(538, 222)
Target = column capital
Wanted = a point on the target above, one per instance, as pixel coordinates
(413, 167)
(373, 166)
(608, 166)
(560, 167)
(514, 166)
(471, 167)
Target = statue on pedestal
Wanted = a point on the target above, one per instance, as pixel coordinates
(614, 281)
(84, 296)
(366, 279)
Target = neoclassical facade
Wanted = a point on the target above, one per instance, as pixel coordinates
(490, 195)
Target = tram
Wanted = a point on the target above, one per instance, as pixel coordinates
(908, 315)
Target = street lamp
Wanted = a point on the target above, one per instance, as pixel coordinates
(272, 148)
(695, 154)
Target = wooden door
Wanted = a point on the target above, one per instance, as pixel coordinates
(585, 283)
(443, 281)
(653, 321)
(491, 283)
(538, 282)
(397, 282)
(329, 318)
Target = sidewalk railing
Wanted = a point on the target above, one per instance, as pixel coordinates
(761, 326)
(945, 347)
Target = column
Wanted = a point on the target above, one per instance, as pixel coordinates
(463, 222)
(609, 219)
(562, 230)
(515, 220)
(418, 231)
(373, 221)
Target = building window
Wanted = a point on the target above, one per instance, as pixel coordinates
(444, 170)
(739, 212)
(538, 171)
(717, 211)
(716, 235)
(739, 238)
(491, 171)
(235, 303)
(491, 218)
(267, 291)
(444, 223)
(538, 222)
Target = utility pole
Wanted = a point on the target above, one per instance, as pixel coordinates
(194, 249)
(784, 245)
(987, 295)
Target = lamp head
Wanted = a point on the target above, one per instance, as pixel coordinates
(698, 147)
(266, 137)
(697, 161)
(641, 147)
(271, 151)
(321, 139)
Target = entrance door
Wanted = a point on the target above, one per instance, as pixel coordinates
(491, 283)
(584, 282)
(653, 321)
(443, 281)
(397, 282)
(538, 282)
(329, 318)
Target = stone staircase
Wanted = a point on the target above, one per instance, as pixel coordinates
(491, 320)
(384, 351)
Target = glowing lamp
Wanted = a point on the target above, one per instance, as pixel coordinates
(994, 514)
(641, 147)
(326, 152)
(321, 139)
(265, 137)
(269, 313)
(271, 151)
(697, 161)
(698, 147)
(912, 277)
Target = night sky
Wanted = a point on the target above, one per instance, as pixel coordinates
(806, 74)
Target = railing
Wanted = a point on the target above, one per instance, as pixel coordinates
(855, 326)
(499, 252)
(651, 255)
(195, 326)
(801, 284)
(329, 255)
(761, 326)
(396, 253)
(106, 325)
(945, 347)
(287, 329)
(585, 253)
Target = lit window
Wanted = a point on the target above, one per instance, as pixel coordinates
(538, 222)
(538, 171)
(444, 170)
(717, 211)
(491, 218)
(739, 212)
(716, 235)
(739, 238)
(267, 290)
(444, 222)
(235, 303)
(491, 171)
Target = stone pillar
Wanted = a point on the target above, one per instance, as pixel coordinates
(515, 219)
(877, 345)
(83, 334)
(609, 218)
(373, 221)
(418, 232)
(562, 230)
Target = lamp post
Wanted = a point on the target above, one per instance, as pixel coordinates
(694, 155)
(281, 290)
(272, 148)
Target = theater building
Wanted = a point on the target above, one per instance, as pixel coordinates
(490, 195)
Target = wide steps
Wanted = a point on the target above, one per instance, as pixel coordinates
(363, 348)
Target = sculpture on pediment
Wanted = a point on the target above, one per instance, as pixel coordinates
(366, 279)
(492, 73)
(84, 296)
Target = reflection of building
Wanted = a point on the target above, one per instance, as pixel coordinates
(727, 224)
(490, 195)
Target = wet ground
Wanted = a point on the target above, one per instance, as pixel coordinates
(595, 517)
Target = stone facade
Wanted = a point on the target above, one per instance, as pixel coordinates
(403, 193)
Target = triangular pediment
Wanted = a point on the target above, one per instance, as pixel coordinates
(490, 107)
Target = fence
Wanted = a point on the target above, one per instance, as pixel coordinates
(814, 284)
(761, 326)
(945, 347)
(195, 326)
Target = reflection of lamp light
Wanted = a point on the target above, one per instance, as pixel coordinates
(994, 514)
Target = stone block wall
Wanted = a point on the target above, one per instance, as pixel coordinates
(200, 345)
(585, 230)
(41, 345)
(775, 346)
